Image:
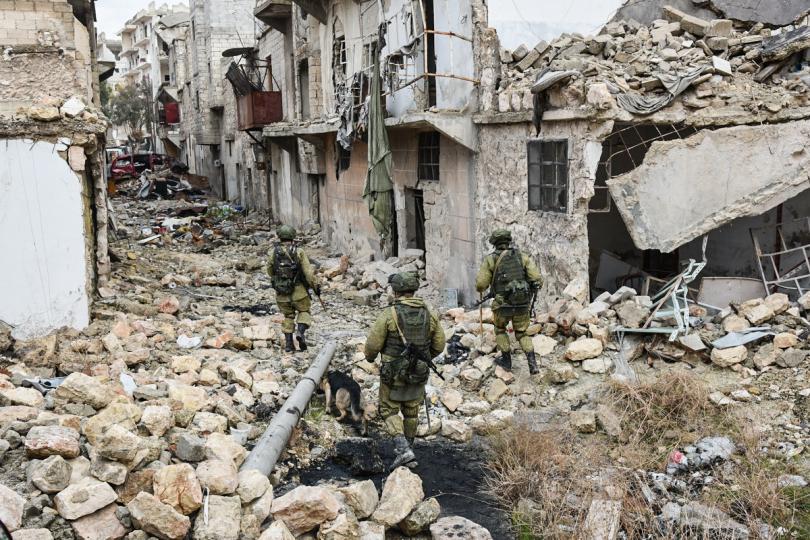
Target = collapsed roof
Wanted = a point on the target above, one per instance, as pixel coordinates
(711, 71)
(770, 12)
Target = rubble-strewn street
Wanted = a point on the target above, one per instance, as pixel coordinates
(375, 270)
(170, 386)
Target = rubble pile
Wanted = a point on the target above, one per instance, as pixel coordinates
(137, 425)
(364, 284)
(723, 64)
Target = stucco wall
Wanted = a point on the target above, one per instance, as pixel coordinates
(344, 214)
(558, 242)
(43, 282)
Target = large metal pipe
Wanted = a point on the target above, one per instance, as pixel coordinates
(264, 455)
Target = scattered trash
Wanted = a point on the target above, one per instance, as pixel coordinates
(185, 342)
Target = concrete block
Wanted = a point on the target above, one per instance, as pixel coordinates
(520, 53)
(528, 60)
(721, 65)
(720, 28)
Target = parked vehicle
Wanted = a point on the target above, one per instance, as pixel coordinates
(128, 165)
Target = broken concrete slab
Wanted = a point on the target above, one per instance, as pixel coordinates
(603, 520)
(664, 205)
(650, 10)
(774, 12)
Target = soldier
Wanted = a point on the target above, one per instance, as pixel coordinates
(513, 280)
(404, 334)
(292, 277)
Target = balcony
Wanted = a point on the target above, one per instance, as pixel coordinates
(258, 109)
(274, 13)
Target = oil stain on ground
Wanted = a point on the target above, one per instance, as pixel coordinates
(452, 473)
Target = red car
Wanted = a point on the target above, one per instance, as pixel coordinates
(128, 165)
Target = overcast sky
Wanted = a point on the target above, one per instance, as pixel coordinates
(112, 14)
(529, 17)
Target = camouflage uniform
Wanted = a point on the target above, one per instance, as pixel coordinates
(503, 315)
(397, 394)
(294, 306)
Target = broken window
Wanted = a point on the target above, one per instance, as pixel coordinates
(344, 158)
(401, 70)
(339, 62)
(548, 175)
(303, 88)
(428, 159)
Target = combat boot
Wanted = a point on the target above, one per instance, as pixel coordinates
(532, 360)
(505, 361)
(403, 453)
(302, 344)
(289, 346)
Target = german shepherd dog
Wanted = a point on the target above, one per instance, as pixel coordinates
(344, 392)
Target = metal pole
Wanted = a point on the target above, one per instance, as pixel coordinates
(264, 455)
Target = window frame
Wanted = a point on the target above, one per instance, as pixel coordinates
(542, 191)
(428, 156)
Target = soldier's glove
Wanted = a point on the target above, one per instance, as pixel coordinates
(317, 290)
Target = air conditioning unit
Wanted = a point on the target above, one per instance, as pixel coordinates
(217, 163)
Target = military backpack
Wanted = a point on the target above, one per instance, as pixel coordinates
(510, 284)
(409, 347)
(286, 269)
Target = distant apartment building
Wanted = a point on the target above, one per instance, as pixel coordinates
(211, 145)
(144, 58)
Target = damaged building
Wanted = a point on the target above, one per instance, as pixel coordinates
(597, 151)
(626, 148)
(321, 57)
(53, 211)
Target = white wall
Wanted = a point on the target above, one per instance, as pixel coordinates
(453, 55)
(43, 277)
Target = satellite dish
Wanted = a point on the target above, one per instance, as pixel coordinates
(237, 51)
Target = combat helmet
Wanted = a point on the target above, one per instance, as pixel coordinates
(404, 282)
(500, 237)
(285, 232)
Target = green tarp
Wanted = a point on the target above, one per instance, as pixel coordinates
(379, 190)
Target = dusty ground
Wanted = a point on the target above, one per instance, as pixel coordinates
(206, 280)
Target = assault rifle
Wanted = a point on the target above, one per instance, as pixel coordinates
(318, 296)
(415, 354)
(490, 295)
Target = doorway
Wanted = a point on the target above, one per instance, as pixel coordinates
(315, 181)
(415, 219)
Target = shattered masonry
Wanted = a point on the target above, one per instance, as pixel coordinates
(613, 98)
(55, 193)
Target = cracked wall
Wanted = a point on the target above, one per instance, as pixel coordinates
(450, 258)
(686, 188)
(558, 242)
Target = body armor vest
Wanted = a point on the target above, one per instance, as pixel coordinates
(286, 270)
(407, 366)
(414, 322)
(509, 282)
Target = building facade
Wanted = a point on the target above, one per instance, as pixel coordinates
(54, 208)
(144, 60)
(547, 140)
